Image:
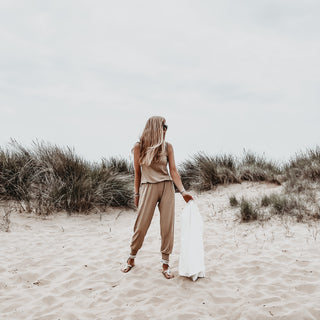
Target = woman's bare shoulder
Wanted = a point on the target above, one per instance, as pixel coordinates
(169, 146)
(136, 147)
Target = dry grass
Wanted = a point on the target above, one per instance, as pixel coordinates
(204, 172)
(302, 206)
(300, 178)
(305, 165)
(248, 211)
(257, 168)
(5, 218)
(47, 178)
(233, 201)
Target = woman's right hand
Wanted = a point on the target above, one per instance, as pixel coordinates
(187, 197)
(136, 201)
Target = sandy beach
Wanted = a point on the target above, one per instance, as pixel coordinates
(68, 267)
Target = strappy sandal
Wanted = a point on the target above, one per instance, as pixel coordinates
(128, 265)
(166, 273)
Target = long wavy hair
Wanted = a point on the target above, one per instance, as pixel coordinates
(152, 141)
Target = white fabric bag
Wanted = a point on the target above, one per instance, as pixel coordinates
(191, 262)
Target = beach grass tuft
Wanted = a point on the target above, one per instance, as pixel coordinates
(253, 167)
(233, 201)
(248, 211)
(204, 172)
(305, 165)
(48, 178)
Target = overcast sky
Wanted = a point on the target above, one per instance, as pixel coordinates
(227, 75)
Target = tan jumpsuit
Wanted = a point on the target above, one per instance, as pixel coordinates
(156, 188)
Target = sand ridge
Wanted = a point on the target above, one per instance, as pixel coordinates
(68, 267)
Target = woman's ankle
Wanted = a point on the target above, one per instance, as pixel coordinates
(165, 257)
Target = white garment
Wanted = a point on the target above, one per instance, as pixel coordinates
(191, 262)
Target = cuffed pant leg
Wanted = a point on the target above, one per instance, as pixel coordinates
(147, 203)
(167, 215)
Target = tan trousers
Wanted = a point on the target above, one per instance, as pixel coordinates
(151, 194)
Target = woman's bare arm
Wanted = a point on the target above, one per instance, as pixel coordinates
(137, 172)
(175, 174)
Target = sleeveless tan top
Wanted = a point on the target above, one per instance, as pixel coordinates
(157, 171)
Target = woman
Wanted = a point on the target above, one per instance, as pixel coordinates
(153, 185)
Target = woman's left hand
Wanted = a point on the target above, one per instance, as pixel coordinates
(187, 197)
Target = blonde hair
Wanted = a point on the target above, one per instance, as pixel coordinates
(152, 142)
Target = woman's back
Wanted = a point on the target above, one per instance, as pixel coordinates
(157, 171)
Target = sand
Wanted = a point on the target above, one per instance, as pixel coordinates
(68, 267)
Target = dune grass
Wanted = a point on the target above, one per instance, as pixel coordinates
(302, 206)
(257, 168)
(233, 201)
(5, 217)
(248, 211)
(203, 172)
(46, 178)
(305, 165)
(300, 178)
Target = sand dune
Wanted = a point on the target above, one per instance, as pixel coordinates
(68, 267)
